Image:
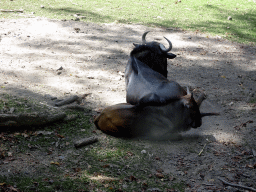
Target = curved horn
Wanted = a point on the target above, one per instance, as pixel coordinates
(188, 92)
(209, 114)
(200, 99)
(144, 37)
(164, 49)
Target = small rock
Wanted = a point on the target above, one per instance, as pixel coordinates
(81, 17)
(77, 29)
(12, 109)
(61, 157)
(229, 18)
(60, 68)
(44, 132)
(154, 190)
(51, 181)
(231, 103)
(181, 173)
(59, 73)
(9, 154)
(143, 151)
(42, 6)
(77, 19)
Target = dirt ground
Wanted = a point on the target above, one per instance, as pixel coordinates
(43, 59)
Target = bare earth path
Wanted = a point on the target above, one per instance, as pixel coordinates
(41, 58)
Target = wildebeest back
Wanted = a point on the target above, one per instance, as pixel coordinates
(146, 86)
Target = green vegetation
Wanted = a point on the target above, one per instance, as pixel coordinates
(253, 100)
(208, 16)
(48, 161)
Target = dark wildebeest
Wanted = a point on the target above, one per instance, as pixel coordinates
(156, 108)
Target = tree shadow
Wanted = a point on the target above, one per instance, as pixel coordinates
(203, 68)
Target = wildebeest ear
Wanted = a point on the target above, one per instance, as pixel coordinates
(186, 100)
(170, 56)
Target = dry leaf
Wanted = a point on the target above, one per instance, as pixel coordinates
(60, 136)
(55, 163)
(77, 169)
(9, 154)
(132, 178)
(129, 153)
(251, 166)
(159, 175)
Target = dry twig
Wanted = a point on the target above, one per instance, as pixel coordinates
(6, 10)
(67, 101)
(235, 185)
(200, 153)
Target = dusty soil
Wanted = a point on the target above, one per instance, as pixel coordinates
(43, 59)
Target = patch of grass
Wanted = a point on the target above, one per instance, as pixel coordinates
(253, 100)
(50, 162)
(19, 105)
(25, 183)
(197, 15)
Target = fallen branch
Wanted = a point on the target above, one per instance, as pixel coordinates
(6, 10)
(75, 107)
(235, 185)
(29, 119)
(70, 118)
(200, 153)
(85, 141)
(253, 152)
(67, 101)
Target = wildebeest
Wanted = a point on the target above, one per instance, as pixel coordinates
(146, 75)
(156, 107)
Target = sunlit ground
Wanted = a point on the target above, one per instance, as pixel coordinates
(94, 60)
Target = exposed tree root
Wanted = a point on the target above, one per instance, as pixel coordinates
(29, 119)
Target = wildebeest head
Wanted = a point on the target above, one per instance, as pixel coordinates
(194, 117)
(153, 54)
(192, 105)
